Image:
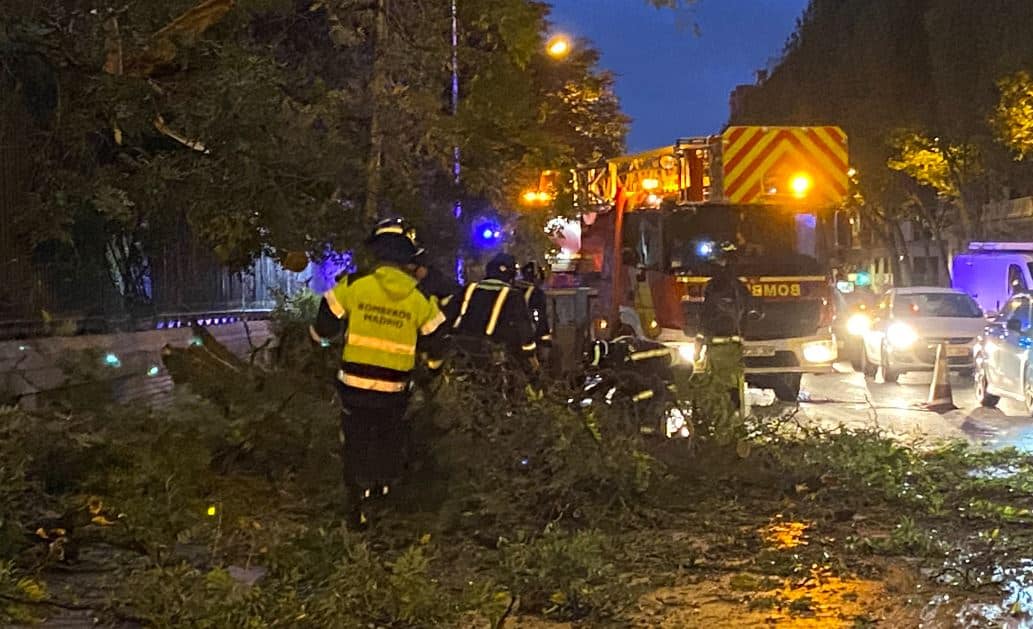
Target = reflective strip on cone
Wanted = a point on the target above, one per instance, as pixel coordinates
(496, 310)
(370, 384)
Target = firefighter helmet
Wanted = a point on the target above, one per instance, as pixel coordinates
(390, 242)
(393, 226)
(502, 267)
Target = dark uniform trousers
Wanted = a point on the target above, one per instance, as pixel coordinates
(375, 426)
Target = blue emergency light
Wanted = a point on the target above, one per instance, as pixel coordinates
(705, 249)
(487, 233)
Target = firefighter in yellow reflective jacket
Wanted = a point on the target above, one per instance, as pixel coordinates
(384, 316)
(493, 309)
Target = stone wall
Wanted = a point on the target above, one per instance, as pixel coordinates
(129, 363)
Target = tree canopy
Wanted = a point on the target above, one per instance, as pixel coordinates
(257, 125)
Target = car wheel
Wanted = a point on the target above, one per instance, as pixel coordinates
(889, 374)
(986, 399)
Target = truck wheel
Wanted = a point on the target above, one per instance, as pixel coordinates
(787, 387)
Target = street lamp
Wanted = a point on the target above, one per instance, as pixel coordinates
(558, 46)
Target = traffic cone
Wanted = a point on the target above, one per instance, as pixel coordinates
(941, 397)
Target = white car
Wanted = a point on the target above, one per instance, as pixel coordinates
(1004, 355)
(909, 323)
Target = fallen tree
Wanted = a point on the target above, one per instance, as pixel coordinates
(224, 509)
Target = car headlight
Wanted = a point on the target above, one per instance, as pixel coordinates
(858, 324)
(682, 353)
(901, 335)
(819, 352)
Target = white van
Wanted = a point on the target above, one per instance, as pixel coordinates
(991, 272)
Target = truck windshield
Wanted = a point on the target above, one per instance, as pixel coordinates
(768, 241)
(936, 305)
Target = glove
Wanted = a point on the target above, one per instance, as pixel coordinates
(320, 341)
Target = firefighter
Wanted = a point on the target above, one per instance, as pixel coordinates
(726, 304)
(530, 282)
(494, 310)
(642, 366)
(384, 316)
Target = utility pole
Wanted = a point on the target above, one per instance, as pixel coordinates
(374, 162)
(457, 208)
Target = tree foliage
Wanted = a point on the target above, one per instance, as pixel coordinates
(248, 125)
(1013, 117)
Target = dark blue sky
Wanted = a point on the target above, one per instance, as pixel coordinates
(672, 82)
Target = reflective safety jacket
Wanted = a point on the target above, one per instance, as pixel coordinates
(494, 310)
(538, 307)
(385, 315)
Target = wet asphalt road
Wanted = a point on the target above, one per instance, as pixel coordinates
(846, 398)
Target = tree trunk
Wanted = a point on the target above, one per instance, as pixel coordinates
(374, 163)
(902, 254)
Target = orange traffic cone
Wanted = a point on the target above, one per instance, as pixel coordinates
(941, 397)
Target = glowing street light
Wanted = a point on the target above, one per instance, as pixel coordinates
(558, 46)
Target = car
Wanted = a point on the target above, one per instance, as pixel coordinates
(1004, 355)
(909, 323)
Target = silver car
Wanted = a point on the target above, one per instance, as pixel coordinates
(909, 323)
(1004, 355)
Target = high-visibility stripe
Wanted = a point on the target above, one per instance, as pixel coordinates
(435, 364)
(528, 293)
(445, 300)
(651, 353)
(496, 310)
(466, 303)
(529, 347)
(644, 395)
(432, 324)
(335, 306)
(597, 353)
(545, 337)
(370, 384)
(372, 342)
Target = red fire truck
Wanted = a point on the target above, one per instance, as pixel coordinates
(772, 191)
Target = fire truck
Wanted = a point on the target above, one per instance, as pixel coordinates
(657, 216)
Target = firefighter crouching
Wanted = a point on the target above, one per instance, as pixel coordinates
(643, 371)
(529, 284)
(493, 310)
(384, 315)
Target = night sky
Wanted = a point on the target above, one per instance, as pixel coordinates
(672, 82)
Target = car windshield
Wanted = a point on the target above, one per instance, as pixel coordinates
(935, 305)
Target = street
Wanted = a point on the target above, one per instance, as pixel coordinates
(844, 398)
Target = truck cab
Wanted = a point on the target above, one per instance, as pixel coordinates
(992, 272)
(780, 260)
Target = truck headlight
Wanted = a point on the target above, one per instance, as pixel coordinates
(819, 352)
(858, 324)
(901, 335)
(682, 353)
